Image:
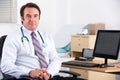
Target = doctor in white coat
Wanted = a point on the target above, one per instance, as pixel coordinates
(18, 57)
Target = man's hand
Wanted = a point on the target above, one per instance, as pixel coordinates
(40, 73)
(46, 75)
(37, 73)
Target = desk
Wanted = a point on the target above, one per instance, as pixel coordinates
(93, 73)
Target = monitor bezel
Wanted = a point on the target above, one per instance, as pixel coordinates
(105, 55)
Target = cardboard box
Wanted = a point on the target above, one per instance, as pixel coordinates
(94, 27)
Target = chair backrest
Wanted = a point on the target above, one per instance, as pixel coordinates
(2, 39)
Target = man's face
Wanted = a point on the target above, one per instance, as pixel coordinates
(30, 18)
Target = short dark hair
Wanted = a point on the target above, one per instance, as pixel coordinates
(29, 5)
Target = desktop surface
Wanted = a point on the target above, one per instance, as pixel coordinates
(98, 69)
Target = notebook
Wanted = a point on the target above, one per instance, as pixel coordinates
(87, 53)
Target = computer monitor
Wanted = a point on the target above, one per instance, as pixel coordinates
(107, 45)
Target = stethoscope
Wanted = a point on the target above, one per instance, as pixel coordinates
(24, 37)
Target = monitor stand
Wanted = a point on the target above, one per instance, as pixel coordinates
(106, 64)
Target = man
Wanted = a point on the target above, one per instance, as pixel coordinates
(20, 56)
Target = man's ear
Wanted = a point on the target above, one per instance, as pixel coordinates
(22, 18)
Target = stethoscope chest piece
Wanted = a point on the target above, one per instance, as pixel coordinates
(44, 45)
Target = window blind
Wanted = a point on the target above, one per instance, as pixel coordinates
(8, 11)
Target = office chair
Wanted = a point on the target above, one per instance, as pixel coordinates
(24, 77)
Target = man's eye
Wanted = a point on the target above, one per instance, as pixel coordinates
(36, 15)
(28, 16)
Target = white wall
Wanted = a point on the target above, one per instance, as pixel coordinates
(86, 11)
(6, 28)
(72, 14)
(61, 18)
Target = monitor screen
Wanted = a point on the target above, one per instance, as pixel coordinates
(107, 44)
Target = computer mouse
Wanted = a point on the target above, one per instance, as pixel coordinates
(102, 66)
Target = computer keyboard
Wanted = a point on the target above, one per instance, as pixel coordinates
(84, 64)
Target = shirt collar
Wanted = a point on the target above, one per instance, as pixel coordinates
(27, 31)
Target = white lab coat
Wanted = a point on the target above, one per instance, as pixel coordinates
(19, 58)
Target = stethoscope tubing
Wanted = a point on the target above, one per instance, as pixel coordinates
(24, 37)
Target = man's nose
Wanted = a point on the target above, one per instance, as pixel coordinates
(32, 18)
